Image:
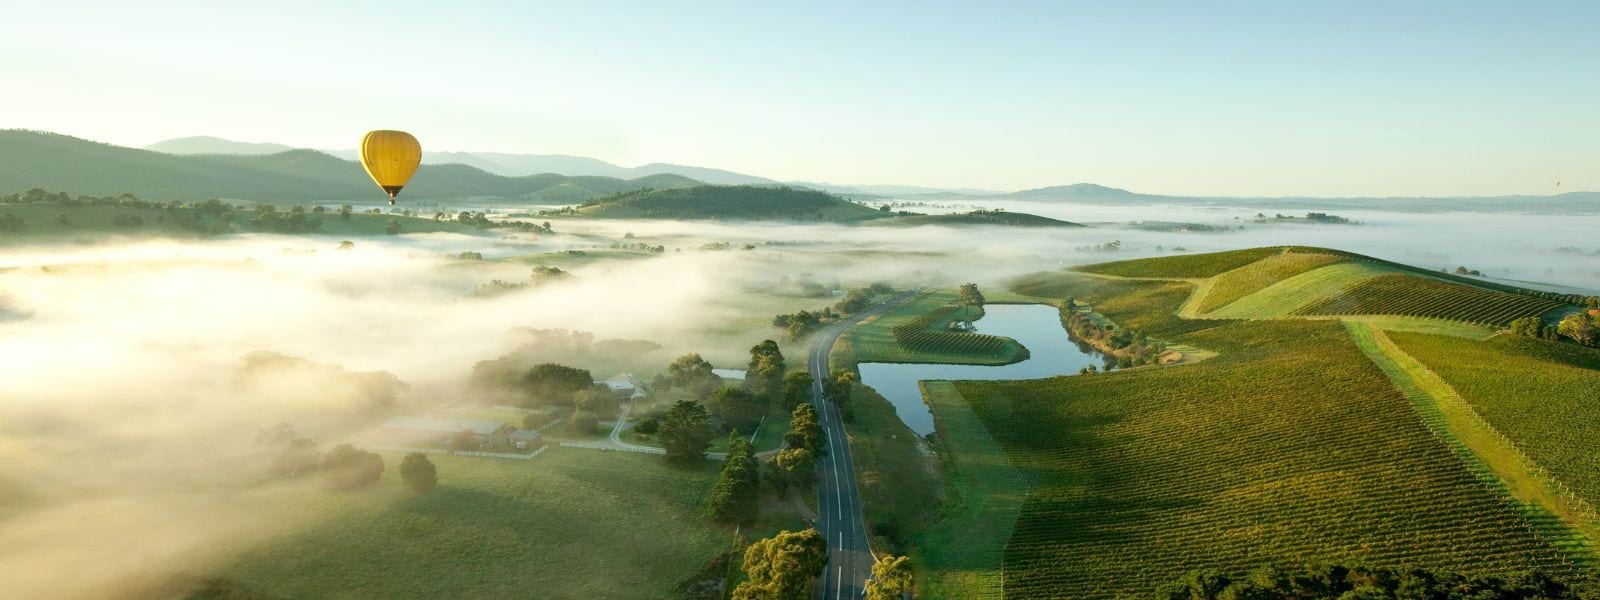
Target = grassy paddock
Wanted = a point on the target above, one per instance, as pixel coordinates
(959, 556)
(899, 481)
(569, 524)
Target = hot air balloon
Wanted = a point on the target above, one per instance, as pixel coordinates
(390, 157)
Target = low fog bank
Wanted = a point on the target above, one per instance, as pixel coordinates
(133, 381)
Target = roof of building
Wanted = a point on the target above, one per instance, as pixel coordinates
(443, 425)
(621, 382)
(524, 434)
(729, 373)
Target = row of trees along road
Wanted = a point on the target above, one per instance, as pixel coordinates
(784, 566)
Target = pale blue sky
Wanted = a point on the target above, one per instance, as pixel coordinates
(1270, 98)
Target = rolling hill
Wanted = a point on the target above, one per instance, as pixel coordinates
(1302, 439)
(62, 163)
(730, 203)
(978, 217)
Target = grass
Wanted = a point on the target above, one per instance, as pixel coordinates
(897, 478)
(569, 524)
(1544, 396)
(1396, 294)
(959, 556)
(1497, 461)
(1061, 285)
(1290, 446)
(1183, 266)
(1249, 279)
(1432, 326)
(875, 339)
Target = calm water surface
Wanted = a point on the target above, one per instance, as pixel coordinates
(1036, 326)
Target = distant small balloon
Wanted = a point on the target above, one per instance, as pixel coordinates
(391, 158)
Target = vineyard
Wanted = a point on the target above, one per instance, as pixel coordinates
(1289, 447)
(1254, 277)
(1183, 265)
(922, 335)
(1544, 396)
(1396, 294)
(897, 336)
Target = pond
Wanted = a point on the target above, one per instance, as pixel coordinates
(1036, 326)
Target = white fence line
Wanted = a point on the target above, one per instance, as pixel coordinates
(608, 446)
(505, 455)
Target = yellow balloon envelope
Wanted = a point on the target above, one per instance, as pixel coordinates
(390, 157)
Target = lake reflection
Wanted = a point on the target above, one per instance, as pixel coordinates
(1036, 326)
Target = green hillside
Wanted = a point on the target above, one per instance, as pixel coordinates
(729, 203)
(1288, 447)
(57, 162)
(978, 217)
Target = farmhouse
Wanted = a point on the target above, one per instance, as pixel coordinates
(431, 432)
(523, 439)
(624, 386)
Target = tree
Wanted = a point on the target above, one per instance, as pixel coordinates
(600, 401)
(796, 389)
(735, 495)
(805, 431)
(346, 467)
(686, 432)
(536, 420)
(393, 228)
(764, 375)
(297, 457)
(738, 408)
(418, 473)
(550, 383)
(464, 440)
(344, 212)
(794, 467)
(1583, 328)
(582, 423)
(781, 567)
(692, 373)
(1527, 326)
(347, 245)
(891, 579)
(969, 297)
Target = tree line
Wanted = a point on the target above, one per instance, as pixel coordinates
(1365, 583)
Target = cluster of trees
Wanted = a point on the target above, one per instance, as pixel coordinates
(858, 299)
(838, 391)
(803, 286)
(344, 467)
(639, 247)
(691, 373)
(1111, 246)
(736, 496)
(798, 325)
(1461, 270)
(1130, 347)
(795, 466)
(10, 223)
(1582, 327)
(297, 219)
(1356, 582)
(782, 567)
(686, 432)
(540, 276)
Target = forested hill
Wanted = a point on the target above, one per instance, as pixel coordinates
(730, 203)
(978, 217)
(50, 161)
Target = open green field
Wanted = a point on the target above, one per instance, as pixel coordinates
(1254, 277)
(1544, 396)
(959, 555)
(568, 524)
(1290, 446)
(898, 479)
(876, 339)
(1283, 298)
(43, 222)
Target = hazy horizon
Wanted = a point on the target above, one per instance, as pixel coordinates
(1430, 99)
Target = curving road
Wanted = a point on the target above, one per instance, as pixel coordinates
(840, 517)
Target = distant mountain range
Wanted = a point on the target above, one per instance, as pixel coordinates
(203, 167)
(498, 163)
(54, 162)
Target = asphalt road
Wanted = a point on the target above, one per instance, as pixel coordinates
(840, 518)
